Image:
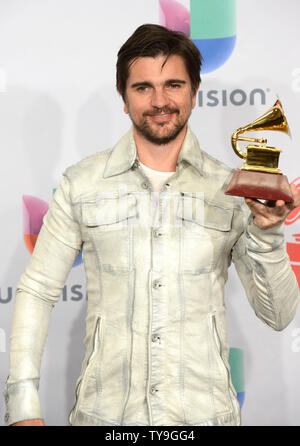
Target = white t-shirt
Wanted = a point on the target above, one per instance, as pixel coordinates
(156, 177)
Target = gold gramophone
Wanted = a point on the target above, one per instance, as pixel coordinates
(260, 177)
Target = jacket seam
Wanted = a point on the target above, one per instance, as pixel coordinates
(182, 362)
(60, 240)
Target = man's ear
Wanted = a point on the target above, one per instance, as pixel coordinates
(123, 96)
(125, 108)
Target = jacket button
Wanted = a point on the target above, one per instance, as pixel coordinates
(153, 390)
(155, 338)
(156, 284)
(145, 185)
(156, 233)
(6, 418)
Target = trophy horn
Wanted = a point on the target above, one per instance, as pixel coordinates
(273, 119)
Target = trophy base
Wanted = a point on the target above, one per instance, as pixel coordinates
(267, 186)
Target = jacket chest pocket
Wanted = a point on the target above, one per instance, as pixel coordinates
(109, 225)
(204, 229)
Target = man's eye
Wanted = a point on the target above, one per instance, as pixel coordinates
(174, 86)
(142, 88)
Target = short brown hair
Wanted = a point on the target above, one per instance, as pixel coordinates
(153, 40)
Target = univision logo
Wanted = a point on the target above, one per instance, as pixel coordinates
(237, 97)
(34, 210)
(211, 24)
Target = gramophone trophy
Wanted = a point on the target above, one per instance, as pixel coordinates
(260, 177)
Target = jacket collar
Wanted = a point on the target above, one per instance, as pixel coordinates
(124, 154)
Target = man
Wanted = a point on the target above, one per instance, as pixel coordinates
(157, 234)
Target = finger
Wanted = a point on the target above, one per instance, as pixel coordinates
(252, 200)
(296, 198)
(296, 195)
(278, 210)
(281, 208)
(267, 203)
(256, 206)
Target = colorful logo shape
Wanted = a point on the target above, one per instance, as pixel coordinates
(236, 362)
(210, 24)
(293, 249)
(34, 210)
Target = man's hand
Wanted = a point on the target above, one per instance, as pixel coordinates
(33, 422)
(267, 215)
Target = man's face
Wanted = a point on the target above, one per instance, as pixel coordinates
(159, 98)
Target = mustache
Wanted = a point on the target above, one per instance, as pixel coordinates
(161, 110)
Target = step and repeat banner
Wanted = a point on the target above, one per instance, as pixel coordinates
(58, 104)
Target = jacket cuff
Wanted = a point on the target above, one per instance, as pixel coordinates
(22, 401)
(264, 240)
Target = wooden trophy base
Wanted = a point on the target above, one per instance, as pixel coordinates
(267, 186)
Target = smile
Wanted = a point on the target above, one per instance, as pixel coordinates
(161, 117)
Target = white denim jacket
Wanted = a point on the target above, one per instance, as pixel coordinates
(156, 338)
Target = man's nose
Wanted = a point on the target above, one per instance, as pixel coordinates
(159, 98)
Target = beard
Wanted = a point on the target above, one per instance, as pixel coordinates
(152, 135)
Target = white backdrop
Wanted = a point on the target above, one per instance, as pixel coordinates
(58, 104)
